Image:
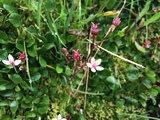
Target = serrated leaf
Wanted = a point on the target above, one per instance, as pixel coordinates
(139, 47)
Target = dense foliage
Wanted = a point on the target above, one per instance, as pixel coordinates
(51, 53)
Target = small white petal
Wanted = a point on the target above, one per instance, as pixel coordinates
(93, 70)
(98, 62)
(92, 60)
(59, 117)
(89, 65)
(99, 68)
(54, 119)
(6, 62)
(17, 62)
(10, 57)
(63, 119)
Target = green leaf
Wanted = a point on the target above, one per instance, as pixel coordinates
(36, 76)
(10, 8)
(139, 47)
(17, 89)
(147, 83)
(3, 85)
(132, 73)
(3, 54)
(144, 10)
(42, 108)
(153, 100)
(15, 78)
(131, 99)
(24, 85)
(112, 80)
(4, 103)
(20, 45)
(32, 52)
(30, 114)
(68, 71)
(3, 38)
(6, 1)
(14, 107)
(50, 5)
(15, 19)
(153, 92)
(143, 102)
(113, 83)
(113, 48)
(152, 19)
(30, 42)
(64, 97)
(143, 96)
(59, 69)
(42, 61)
(151, 76)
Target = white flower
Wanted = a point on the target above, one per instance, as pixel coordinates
(59, 118)
(94, 65)
(11, 61)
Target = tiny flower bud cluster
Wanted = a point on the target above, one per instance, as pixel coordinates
(116, 21)
(77, 56)
(94, 29)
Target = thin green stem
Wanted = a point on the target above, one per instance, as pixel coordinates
(15, 69)
(27, 65)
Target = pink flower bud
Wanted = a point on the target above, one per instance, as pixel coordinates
(77, 56)
(147, 43)
(116, 21)
(64, 50)
(94, 29)
(22, 57)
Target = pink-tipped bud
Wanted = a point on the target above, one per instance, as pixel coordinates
(94, 29)
(22, 57)
(116, 21)
(147, 43)
(77, 56)
(64, 50)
